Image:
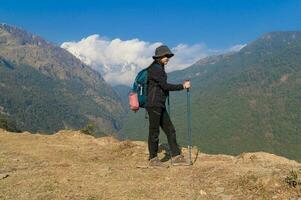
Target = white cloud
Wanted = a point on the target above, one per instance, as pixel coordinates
(119, 61)
(236, 48)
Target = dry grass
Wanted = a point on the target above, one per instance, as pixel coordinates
(71, 165)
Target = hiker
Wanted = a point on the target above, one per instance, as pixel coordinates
(158, 91)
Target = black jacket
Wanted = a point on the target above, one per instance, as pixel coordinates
(158, 88)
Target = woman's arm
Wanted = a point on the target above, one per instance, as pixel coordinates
(159, 77)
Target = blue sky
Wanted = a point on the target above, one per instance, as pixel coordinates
(215, 23)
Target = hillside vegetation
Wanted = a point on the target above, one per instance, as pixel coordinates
(45, 88)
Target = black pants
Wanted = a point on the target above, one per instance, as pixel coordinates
(159, 117)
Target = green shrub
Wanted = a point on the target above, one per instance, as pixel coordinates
(89, 130)
(292, 179)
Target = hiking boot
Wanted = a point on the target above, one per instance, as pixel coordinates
(156, 162)
(179, 160)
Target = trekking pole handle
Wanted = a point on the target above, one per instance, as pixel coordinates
(187, 80)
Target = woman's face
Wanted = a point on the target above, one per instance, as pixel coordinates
(164, 60)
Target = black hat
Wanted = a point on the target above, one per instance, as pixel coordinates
(162, 51)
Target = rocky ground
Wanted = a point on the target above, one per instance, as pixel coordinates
(71, 165)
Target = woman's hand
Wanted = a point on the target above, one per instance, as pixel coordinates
(186, 85)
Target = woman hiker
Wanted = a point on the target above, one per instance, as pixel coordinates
(158, 90)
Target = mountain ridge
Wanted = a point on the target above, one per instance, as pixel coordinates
(69, 94)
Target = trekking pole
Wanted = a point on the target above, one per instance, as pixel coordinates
(189, 126)
(168, 110)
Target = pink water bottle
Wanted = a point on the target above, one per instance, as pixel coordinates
(134, 103)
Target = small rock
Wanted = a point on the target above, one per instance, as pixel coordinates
(203, 193)
(3, 176)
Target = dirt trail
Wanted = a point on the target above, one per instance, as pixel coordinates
(71, 165)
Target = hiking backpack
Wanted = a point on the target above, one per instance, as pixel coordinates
(138, 95)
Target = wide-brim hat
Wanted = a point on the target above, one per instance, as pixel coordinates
(162, 51)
